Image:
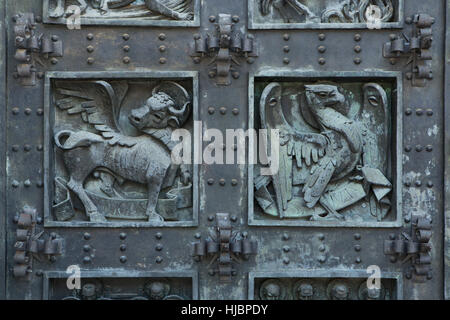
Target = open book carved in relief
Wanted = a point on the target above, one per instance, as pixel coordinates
(148, 9)
(115, 157)
(333, 152)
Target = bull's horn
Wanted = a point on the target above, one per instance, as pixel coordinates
(58, 136)
(178, 112)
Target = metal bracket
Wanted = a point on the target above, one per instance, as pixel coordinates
(224, 246)
(224, 47)
(417, 48)
(28, 44)
(415, 247)
(29, 245)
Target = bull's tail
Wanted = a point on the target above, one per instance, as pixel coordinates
(75, 139)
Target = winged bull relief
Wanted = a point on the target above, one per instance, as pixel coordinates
(333, 156)
(148, 9)
(113, 153)
(342, 11)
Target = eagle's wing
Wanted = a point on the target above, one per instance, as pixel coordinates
(98, 104)
(306, 147)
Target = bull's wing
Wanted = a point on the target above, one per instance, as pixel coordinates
(98, 104)
(293, 144)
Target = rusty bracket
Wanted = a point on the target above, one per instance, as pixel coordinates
(29, 244)
(30, 46)
(224, 246)
(416, 48)
(414, 247)
(225, 47)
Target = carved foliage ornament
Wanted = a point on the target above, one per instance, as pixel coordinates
(114, 151)
(332, 153)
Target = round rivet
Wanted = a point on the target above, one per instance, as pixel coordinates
(321, 236)
(15, 111)
(40, 112)
(357, 248)
(358, 260)
(408, 20)
(408, 75)
(123, 236)
(126, 36)
(90, 60)
(322, 259)
(429, 112)
(123, 247)
(162, 60)
(162, 37)
(86, 259)
(322, 248)
(223, 110)
(286, 37)
(158, 235)
(286, 260)
(286, 49)
(430, 275)
(27, 148)
(54, 61)
(408, 148)
(357, 49)
(233, 218)
(211, 218)
(392, 61)
(90, 37)
(123, 259)
(126, 60)
(126, 48)
(286, 249)
(429, 148)
(430, 184)
(357, 236)
(236, 75)
(235, 19)
(418, 183)
(39, 147)
(407, 184)
(27, 111)
(212, 19)
(222, 182)
(245, 234)
(86, 248)
(15, 148)
(286, 60)
(162, 48)
(357, 60)
(90, 49)
(357, 37)
(250, 60)
(15, 184)
(408, 111)
(211, 110)
(38, 19)
(321, 49)
(210, 181)
(211, 74)
(419, 148)
(197, 235)
(322, 36)
(197, 60)
(159, 259)
(285, 237)
(235, 111)
(322, 61)
(87, 236)
(407, 219)
(27, 183)
(419, 112)
(159, 247)
(234, 182)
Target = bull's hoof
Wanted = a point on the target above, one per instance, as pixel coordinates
(154, 217)
(97, 217)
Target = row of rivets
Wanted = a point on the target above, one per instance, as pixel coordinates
(321, 49)
(419, 148)
(357, 247)
(15, 111)
(26, 148)
(90, 48)
(286, 48)
(87, 249)
(357, 48)
(419, 112)
(126, 60)
(418, 183)
(223, 110)
(322, 248)
(222, 182)
(123, 246)
(162, 48)
(27, 183)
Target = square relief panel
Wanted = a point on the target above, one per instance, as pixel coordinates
(108, 149)
(339, 140)
(175, 13)
(120, 285)
(325, 14)
(324, 285)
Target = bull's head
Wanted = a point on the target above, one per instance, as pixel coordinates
(168, 106)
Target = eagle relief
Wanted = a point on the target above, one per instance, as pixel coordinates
(122, 9)
(112, 142)
(334, 155)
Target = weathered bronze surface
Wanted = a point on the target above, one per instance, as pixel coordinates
(356, 89)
